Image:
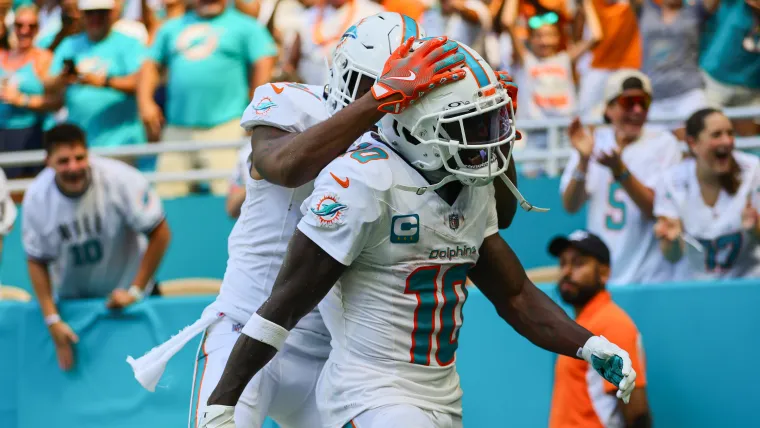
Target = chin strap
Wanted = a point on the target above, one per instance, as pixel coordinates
(422, 190)
(525, 205)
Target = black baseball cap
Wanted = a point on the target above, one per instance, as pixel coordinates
(583, 241)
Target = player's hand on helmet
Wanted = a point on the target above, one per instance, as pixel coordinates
(612, 363)
(63, 338)
(668, 229)
(507, 83)
(120, 299)
(217, 416)
(581, 139)
(407, 75)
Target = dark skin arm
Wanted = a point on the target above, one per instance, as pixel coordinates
(307, 274)
(502, 279)
(292, 159)
(636, 412)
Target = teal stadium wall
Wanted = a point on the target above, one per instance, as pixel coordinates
(701, 342)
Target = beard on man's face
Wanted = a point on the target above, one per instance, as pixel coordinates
(578, 295)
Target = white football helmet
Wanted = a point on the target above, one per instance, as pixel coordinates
(363, 51)
(465, 128)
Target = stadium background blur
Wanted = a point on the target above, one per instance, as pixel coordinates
(700, 338)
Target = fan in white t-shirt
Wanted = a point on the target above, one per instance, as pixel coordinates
(615, 169)
(706, 205)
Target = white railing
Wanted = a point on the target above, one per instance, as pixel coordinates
(554, 156)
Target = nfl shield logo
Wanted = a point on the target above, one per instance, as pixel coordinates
(454, 221)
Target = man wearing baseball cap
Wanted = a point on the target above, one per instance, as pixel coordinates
(615, 169)
(580, 397)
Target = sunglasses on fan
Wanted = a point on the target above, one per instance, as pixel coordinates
(21, 25)
(627, 102)
(538, 21)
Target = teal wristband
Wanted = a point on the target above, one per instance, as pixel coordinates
(623, 176)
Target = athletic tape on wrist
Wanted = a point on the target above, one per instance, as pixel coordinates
(136, 292)
(265, 331)
(52, 319)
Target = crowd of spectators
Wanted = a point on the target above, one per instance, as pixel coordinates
(669, 202)
(136, 71)
(133, 72)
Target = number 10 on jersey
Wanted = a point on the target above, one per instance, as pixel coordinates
(438, 315)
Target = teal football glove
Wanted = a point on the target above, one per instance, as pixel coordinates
(612, 363)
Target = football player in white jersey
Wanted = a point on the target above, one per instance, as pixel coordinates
(295, 133)
(403, 225)
(85, 220)
(7, 209)
(615, 169)
(707, 205)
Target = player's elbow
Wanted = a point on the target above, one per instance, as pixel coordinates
(284, 170)
(292, 176)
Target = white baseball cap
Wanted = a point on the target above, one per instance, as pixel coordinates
(624, 79)
(96, 4)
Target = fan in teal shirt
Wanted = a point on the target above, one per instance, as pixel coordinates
(109, 116)
(27, 82)
(209, 64)
(724, 56)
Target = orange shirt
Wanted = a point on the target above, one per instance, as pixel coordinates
(581, 397)
(621, 44)
(410, 8)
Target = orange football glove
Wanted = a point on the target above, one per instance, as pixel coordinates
(412, 75)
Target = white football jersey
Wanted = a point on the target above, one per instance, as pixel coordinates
(613, 216)
(93, 243)
(728, 251)
(7, 207)
(270, 213)
(396, 312)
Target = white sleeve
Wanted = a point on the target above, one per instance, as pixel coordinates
(342, 213)
(141, 205)
(292, 109)
(665, 204)
(33, 237)
(7, 207)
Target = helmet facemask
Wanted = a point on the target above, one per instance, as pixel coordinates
(348, 82)
(468, 137)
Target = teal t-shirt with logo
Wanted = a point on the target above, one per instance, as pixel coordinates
(109, 117)
(724, 56)
(27, 82)
(209, 64)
